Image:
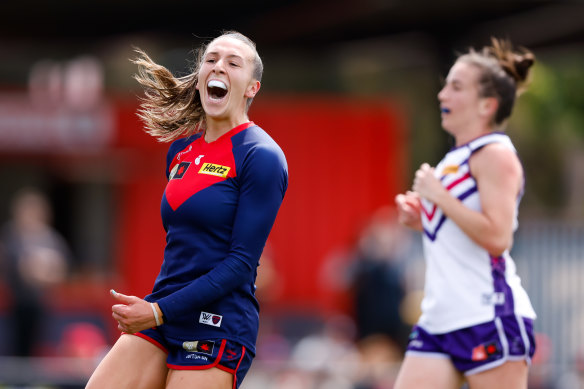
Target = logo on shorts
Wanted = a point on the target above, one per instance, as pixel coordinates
(484, 351)
(497, 298)
(210, 319)
(230, 354)
(199, 346)
(414, 342)
(197, 356)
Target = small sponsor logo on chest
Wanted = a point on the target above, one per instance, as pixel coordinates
(214, 169)
(179, 170)
(450, 169)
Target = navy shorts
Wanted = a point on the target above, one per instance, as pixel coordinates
(478, 348)
(203, 354)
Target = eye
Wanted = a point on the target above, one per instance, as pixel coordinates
(456, 85)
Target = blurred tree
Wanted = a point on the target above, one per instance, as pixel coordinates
(548, 128)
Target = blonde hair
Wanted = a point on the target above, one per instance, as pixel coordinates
(504, 73)
(171, 106)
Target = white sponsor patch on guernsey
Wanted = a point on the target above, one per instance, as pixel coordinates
(210, 319)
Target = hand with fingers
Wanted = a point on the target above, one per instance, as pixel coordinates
(409, 208)
(134, 314)
(427, 185)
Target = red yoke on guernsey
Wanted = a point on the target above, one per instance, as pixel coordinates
(218, 208)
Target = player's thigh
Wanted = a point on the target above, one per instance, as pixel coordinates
(132, 363)
(511, 375)
(212, 378)
(427, 372)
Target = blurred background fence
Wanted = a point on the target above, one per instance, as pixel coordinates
(550, 257)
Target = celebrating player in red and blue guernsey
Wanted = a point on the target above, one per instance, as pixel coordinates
(226, 182)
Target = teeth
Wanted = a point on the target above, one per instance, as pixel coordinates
(216, 84)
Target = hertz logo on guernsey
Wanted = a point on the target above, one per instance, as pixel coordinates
(214, 170)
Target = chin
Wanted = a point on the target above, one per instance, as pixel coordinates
(215, 112)
(447, 129)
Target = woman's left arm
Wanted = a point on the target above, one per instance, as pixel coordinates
(263, 183)
(262, 186)
(498, 174)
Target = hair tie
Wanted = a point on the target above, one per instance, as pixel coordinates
(158, 322)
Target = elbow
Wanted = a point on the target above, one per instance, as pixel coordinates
(496, 252)
(496, 247)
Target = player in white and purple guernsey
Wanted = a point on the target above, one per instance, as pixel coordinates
(477, 320)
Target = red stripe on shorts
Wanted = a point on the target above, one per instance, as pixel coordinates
(149, 339)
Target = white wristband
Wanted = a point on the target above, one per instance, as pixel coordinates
(158, 323)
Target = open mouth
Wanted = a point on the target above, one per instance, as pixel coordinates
(216, 89)
(444, 110)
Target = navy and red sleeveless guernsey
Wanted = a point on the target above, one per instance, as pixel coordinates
(218, 208)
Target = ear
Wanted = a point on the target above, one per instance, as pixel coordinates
(252, 89)
(488, 106)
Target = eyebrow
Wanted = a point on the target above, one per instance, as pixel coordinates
(454, 81)
(229, 56)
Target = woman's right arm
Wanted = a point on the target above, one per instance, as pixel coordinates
(499, 178)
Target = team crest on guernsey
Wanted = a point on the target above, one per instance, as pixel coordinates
(179, 170)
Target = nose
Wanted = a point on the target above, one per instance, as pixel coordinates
(219, 67)
(442, 94)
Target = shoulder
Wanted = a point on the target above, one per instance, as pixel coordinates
(255, 136)
(260, 160)
(256, 143)
(495, 151)
(496, 159)
(497, 138)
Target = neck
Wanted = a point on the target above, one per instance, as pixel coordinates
(463, 137)
(218, 127)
